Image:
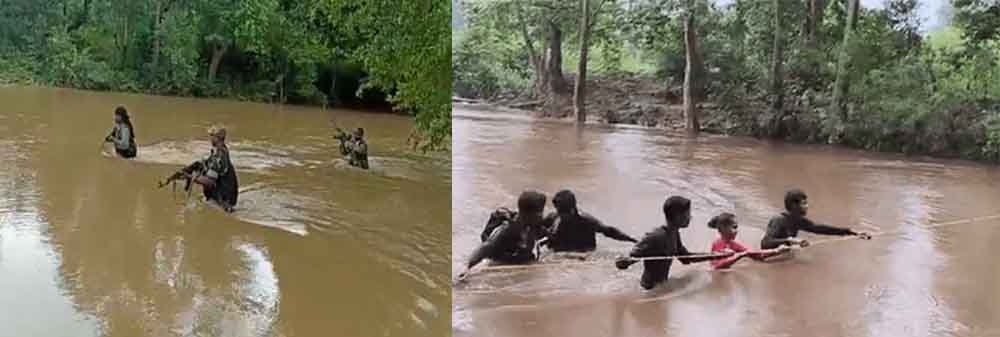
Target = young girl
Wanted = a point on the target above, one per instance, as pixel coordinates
(726, 224)
(123, 135)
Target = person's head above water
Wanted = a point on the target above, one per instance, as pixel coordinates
(677, 211)
(218, 135)
(121, 115)
(564, 201)
(796, 202)
(360, 132)
(530, 205)
(726, 224)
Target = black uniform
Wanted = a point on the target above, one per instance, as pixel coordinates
(662, 241)
(787, 226)
(499, 217)
(576, 232)
(507, 241)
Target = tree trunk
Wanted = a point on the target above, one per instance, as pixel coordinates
(536, 62)
(157, 20)
(691, 73)
(331, 97)
(842, 83)
(279, 86)
(542, 86)
(814, 18)
(777, 61)
(528, 44)
(80, 19)
(217, 53)
(552, 81)
(126, 34)
(579, 93)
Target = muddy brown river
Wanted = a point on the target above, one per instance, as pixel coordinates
(919, 280)
(90, 247)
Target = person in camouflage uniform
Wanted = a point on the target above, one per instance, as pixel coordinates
(354, 147)
(216, 174)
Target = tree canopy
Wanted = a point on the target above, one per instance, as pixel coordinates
(900, 89)
(308, 52)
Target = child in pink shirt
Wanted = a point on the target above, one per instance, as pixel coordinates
(726, 224)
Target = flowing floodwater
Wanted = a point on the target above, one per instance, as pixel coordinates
(919, 281)
(90, 247)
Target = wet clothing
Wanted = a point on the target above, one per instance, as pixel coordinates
(662, 241)
(356, 149)
(577, 232)
(787, 226)
(345, 141)
(124, 140)
(509, 241)
(129, 153)
(721, 246)
(359, 153)
(218, 166)
(499, 217)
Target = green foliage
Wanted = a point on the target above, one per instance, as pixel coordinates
(897, 103)
(18, 69)
(267, 47)
(979, 19)
(991, 150)
(934, 94)
(947, 38)
(931, 103)
(485, 63)
(73, 66)
(407, 53)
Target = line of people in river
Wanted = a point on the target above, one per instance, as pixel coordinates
(216, 173)
(516, 237)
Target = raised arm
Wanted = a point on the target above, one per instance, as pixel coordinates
(647, 247)
(608, 231)
(809, 226)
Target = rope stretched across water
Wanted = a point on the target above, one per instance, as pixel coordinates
(811, 244)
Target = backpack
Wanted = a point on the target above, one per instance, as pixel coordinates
(498, 217)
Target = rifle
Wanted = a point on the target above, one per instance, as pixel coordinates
(344, 139)
(341, 135)
(187, 174)
(179, 175)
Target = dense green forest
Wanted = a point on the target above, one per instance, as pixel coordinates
(823, 71)
(336, 52)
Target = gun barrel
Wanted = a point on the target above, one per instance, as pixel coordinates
(177, 175)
